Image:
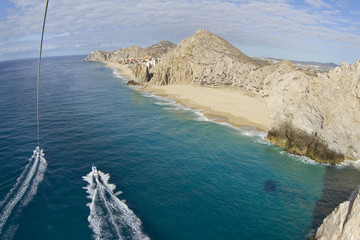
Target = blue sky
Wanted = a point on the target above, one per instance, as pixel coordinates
(309, 30)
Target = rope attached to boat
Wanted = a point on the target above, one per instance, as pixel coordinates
(38, 77)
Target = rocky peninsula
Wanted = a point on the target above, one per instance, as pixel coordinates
(306, 112)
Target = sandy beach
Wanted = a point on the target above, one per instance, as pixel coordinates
(125, 71)
(236, 106)
(222, 104)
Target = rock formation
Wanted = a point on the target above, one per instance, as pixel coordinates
(323, 122)
(203, 59)
(141, 75)
(343, 223)
(317, 113)
(156, 50)
(97, 56)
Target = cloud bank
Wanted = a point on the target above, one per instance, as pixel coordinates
(318, 30)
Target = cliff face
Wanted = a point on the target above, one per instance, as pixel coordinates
(141, 74)
(317, 114)
(156, 50)
(323, 122)
(343, 222)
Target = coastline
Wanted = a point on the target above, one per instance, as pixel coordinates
(124, 70)
(238, 107)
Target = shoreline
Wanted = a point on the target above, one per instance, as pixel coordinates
(124, 70)
(237, 107)
(261, 121)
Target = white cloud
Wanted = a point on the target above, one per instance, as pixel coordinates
(317, 3)
(92, 24)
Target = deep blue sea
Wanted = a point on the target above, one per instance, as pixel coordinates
(165, 171)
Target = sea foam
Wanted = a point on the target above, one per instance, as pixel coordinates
(109, 216)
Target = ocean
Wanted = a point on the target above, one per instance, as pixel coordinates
(165, 171)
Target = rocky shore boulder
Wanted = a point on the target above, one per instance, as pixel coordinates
(343, 222)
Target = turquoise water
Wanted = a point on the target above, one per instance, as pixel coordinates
(181, 176)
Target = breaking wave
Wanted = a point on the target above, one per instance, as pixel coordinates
(110, 218)
(118, 74)
(170, 104)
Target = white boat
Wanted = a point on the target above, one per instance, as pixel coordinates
(37, 150)
(94, 170)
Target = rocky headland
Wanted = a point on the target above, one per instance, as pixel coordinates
(314, 113)
(131, 53)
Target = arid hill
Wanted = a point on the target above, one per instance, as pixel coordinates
(133, 52)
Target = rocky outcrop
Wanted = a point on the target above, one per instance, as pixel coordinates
(97, 56)
(323, 122)
(343, 222)
(141, 74)
(133, 52)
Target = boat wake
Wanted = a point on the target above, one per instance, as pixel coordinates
(110, 218)
(22, 192)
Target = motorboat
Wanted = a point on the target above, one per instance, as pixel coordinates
(37, 150)
(94, 170)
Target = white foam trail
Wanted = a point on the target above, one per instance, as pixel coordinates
(32, 179)
(36, 181)
(117, 215)
(18, 181)
(93, 218)
(108, 208)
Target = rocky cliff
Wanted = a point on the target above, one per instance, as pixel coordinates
(343, 222)
(317, 114)
(141, 75)
(323, 122)
(133, 52)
